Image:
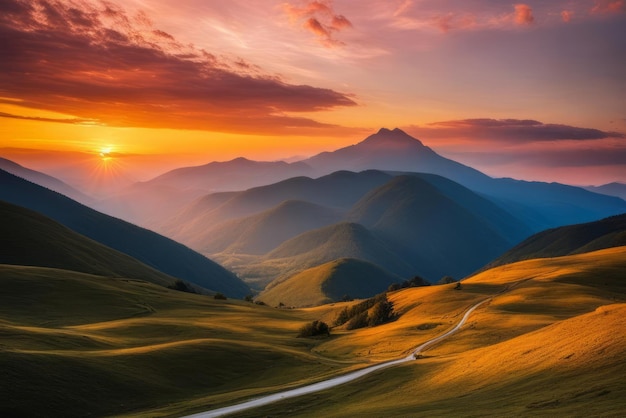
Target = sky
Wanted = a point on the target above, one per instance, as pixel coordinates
(533, 90)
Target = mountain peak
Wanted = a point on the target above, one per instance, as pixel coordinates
(395, 137)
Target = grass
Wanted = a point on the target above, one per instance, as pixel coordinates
(86, 345)
(550, 342)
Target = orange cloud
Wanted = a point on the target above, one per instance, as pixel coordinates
(608, 6)
(95, 62)
(320, 19)
(523, 14)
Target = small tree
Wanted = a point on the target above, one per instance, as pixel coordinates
(358, 321)
(219, 296)
(249, 298)
(313, 329)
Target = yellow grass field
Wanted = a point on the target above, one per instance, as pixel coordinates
(550, 340)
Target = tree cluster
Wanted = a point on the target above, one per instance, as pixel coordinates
(370, 312)
(416, 281)
(314, 328)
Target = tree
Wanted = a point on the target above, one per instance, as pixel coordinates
(381, 312)
(314, 328)
(181, 286)
(219, 296)
(249, 298)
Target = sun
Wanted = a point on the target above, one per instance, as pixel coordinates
(105, 153)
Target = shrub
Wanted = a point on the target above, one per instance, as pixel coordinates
(181, 286)
(219, 296)
(249, 298)
(313, 329)
(358, 321)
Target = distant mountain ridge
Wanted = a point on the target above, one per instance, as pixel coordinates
(148, 247)
(44, 180)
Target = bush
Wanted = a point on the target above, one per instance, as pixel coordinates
(357, 316)
(416, 281)
(219, 296)
(249, 298)
(181, 286)
(313, 329)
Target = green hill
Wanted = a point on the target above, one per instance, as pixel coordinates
(330, 282)
(31, 239)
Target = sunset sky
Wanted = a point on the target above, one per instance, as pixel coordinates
(533, 90)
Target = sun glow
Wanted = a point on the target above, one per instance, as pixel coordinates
(105, 153)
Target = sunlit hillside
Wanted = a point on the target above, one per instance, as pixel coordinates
(550, 340)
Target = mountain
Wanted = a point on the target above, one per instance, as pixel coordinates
(44, 180)
(436, 234)
(567, 240)
(260, 233)
(342, 240)
(36, 240)
(540, 205)
(146, 246)
(394, 150)
(237, 174)
(337, 190)
(330, 282)
(611, 189)
(151, 202)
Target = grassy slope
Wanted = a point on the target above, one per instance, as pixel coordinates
(35, 240)
(329, 283)
(550, 342)
(146, 246)
(83, 345)
(571, 239)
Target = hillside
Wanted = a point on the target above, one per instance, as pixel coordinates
(611, 189)
(36, 240)
(571, 239)
(549, 342)
(44, 180)
(342, 240)
(261, 233)
(84, 345)
(330, 282)
(146, 246)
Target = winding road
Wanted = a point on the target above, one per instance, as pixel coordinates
(336, 381)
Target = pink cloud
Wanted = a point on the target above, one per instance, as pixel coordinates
(523, 14)
(567, 15)
(319, 18)
(608, 6)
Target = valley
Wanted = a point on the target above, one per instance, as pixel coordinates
(123, 321)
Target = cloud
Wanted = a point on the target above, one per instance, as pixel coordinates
(510, 131)
(71, 121)
(524, 14)
(97, 62)
(319, 18)
(608, 6)
(567, 15)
